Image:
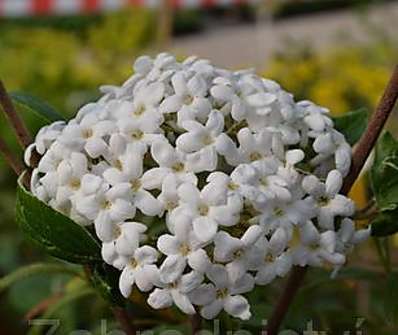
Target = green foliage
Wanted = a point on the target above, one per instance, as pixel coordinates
(40, 108)
(352, 125)
(35, 269)
(106, 281)
(384, 173)
(391, 298)
(58, 235)
(384, 181)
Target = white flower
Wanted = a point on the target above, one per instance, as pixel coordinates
(317, 248)
(169, 197)
(170, 161)
(139, 132)
(260, 183)
(254, 147)
(240, 254)
(181, 249)
(287, 215)
(126, 236)
(328, 203)
(128, 174)
(208, 209)
(348, 236)
(70, 172)
(200, 142)
(43, 140)
(275, 261)
(144, 106)
(189, 99)
(211, 166)
(106, 205)
(177, 293)
(140, 271)
(88, 134)
(223, 294)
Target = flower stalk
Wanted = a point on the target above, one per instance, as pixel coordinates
(10, 158)
(23, 135)
(360, 155)
(196, 323)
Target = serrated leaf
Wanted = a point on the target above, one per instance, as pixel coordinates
(384, 173)
(58, 235)
(37, 106)
(385, 224)
(352, 125)
(105, 280)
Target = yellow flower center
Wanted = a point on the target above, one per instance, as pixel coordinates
(178, 167)
(137, 134)
(203, 210)
(170, 205)
(135, 184)
(269, 258)
(232, 186)
(139, 110)
(279, 212)
(238, 254)
(188, 99)
(222, 293)
(264, 181)
(207, 140)
(117, 231)
(74, 184)
(323, 201)
(87, 133)
(119, 165)
(133, 263)
(106, 204)
(185, 249)
(255, 156)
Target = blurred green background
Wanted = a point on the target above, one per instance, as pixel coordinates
(63, 60)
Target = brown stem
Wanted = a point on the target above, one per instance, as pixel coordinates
(361, 153)
(10, 158)
(42, 307)
(292, 286)
(196, 323)
(124, 320)
(375, 126)
(16, 121)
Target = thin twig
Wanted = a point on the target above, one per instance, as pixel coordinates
(196, 323)
(124, 320)
(370, 136)
(361, 153)
(16, 121)
(42, 307)
(10, 158)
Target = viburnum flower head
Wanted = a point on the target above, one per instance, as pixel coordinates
(201, 183)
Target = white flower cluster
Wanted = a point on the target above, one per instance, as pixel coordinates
(201, 183)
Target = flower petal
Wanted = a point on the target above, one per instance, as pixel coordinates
(172, 268)
(238, 307)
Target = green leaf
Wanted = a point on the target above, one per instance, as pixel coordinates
(105, 280)
(36, 106)
(35, 269)
(384, 173)
(58, 235)
(385, 224)
(55, 308)
(352, 125)
(391, 298)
